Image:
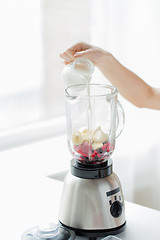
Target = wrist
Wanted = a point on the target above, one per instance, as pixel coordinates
(106, 61)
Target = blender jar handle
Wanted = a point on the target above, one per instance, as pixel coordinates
(120, 119)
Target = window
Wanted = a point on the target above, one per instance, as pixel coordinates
(33, 33)
(63, 23)
(21, 92)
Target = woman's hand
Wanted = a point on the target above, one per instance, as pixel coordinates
(84, 50)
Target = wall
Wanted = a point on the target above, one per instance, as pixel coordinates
(130, 30)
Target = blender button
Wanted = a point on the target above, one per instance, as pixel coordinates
(116, 209)
(120, 198)
(115, 197)
(110, 202)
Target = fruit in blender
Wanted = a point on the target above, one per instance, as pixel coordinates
(86, 135)
(99, 136)
(97, 145)
(91, 145)
(77, 138)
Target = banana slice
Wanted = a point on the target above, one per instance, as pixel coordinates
(97, 145)
(86, 135)
(77, 138)
(85, 131)
(99, 135)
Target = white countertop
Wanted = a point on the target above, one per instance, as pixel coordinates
(29, 198)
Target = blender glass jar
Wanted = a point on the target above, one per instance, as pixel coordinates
(94, 119)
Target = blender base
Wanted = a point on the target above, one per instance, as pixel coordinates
(97, 233)
(92, 202)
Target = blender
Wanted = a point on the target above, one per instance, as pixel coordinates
(92, 202)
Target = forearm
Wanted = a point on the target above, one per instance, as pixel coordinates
(130, 86)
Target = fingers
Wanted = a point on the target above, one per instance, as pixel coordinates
(78, 47)
(70, 54)
(66, 57)
(89, 54)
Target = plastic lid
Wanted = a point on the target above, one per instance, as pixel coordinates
(50, 231)
(111, 238)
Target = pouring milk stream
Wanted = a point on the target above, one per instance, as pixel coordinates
(80, 72)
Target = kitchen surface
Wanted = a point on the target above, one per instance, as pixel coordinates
(29, 197)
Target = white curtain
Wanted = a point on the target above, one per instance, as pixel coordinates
(130, 30)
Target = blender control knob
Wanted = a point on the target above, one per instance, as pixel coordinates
(116, 209)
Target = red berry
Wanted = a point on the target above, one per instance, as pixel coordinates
(103, 148)
(80, 151)
(108, 147)
(95, 152)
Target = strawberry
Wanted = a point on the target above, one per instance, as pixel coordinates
(86, 148)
